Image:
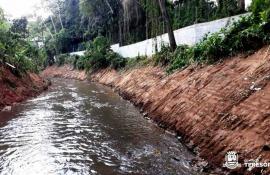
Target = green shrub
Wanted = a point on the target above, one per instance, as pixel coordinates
(99, 56)
(100, 44)
(98, 60)
(131, 62)
(116, 60)
(81, 63)
(16, 49)
(163, 57)
(181, 58)
(74, 60)
(247, 34)
(261, 9)
(69, 59)
(138, 61)
(61, 59)
(210, 49)
(96, 54)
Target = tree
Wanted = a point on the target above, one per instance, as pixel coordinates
(20, 26)
(241, 5)
(59, 3)
(169, 28)
(227, 8)
(2, 16)
(101, 17)
(55, 7)
(71, 11)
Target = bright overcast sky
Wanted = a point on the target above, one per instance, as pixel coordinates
(19, 8)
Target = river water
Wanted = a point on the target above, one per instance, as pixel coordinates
(84, 128)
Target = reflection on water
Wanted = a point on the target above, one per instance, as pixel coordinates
(82, 128)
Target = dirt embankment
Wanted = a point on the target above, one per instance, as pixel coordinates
(16, 88)
(65, 71)
(215, 108)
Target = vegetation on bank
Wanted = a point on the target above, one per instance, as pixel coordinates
(244, 36)
(16, 49)
(97, 56)
(73, 23)
(247, 35)
(61, 35)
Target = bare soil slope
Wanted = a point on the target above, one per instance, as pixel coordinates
(65, 71)
(215, 108)
(14, 89)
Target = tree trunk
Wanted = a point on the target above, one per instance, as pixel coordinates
(120, 33)
(59, 15)
(168, 24)
(110, 7)
(146, 27)
(241, 5)
(53, 24)
(43, 23)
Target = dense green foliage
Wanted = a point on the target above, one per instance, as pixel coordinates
(15, 47)
(66, 59)
(95, 24)
(247, 35)
(182, 13)
(182, 57)
(75, 22)
(99, 55)
(137, 62)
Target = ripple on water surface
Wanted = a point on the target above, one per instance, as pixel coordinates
(82, 128)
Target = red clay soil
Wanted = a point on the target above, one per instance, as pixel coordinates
(65, 71)
(215, 108)
(14, 89)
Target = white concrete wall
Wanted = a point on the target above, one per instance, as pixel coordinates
(80, 53)
(188, 35)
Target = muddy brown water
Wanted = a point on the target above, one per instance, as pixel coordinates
(84, 128)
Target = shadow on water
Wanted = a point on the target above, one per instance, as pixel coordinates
(84, 128)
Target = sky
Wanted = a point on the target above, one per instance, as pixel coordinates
(19, 8)
(248, 2)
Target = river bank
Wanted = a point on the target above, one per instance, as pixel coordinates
(65, 71)
(17, 88)
(213, 108)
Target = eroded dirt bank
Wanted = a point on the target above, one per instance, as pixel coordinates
(65, 71)
(216, 108)
(14, 88)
